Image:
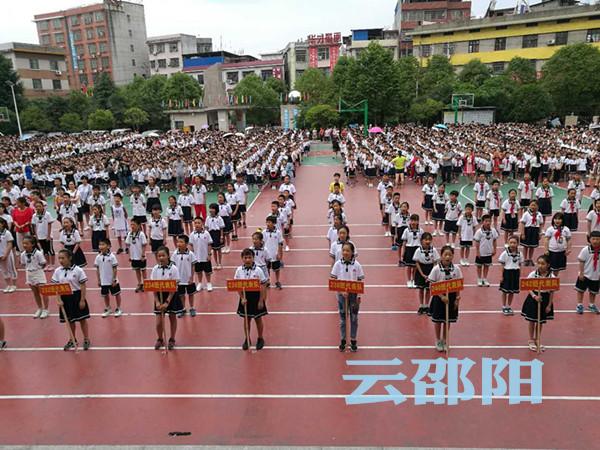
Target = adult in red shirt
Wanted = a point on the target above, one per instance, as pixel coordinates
(22, 215)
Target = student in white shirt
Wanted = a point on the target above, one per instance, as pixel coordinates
(42, 229)
(453, 211)
(138, 206)
(511, 260)
(425, 257)
(185, 260)
(485, 243)
(481, 190)
(558, 243)
(347, 268)
(136, 242)
(215, 226)
(201, 243)
(466, 229)
(273, 248)
(32, 259)
(412, 240)
(530, 230)
(106, 271)
(570, 207)
(199, 197)
(588, 278)
(241, 188)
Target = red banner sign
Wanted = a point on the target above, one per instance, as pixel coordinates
(324, 39)
(448, 286)
(353, 287)
(313, 57)
(160, 285)
(334, 54)
(540, 284)
(250, 285)
(48, 290)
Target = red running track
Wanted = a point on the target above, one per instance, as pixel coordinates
(292, 392)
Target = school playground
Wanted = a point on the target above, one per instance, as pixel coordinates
(293, 392)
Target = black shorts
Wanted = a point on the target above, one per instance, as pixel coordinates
(141, 219)
(84, 209)
(183, 289)
(450, 226)
(480, 203)
(204, 266)
(483, 260)
(587, 285)
(275, 266)
(242, 208)
(155, 244)
(46, 246)
(138, 264)
(494, 212)
(113, 290)
(466, 244)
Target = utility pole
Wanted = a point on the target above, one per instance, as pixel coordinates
(12, 88)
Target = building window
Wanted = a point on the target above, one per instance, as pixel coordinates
(89, 33)
(162, 63)
(473, 46)
(173, 47)
(56, 24)
(79, 49)
(74, 21)
(179, 124)
(425, 51)
(59, 38)
(43, 25)
(497, 68)
(232, 77)
(431, 16)
(45, 39)
(150, 48)
(500, 44)
(34, 64)
(101, 32)
(266, 74)
(152, 64)
(247, 73)
(299, 73)
(530, 41)
(160, 48)
(133, 62)
(92, 49)
(99, 16)
(561, 38)
(448, 49)
(88, 18)
(56, 85)
(77, 36)
(53, 64)
(457, 14)
(102, 47)
(174, 62)
(301, 56)
(83, 79)
(131, 48)
(93, 63)
(37, 83)
(128, 18)
(201, 78)
(593, 35)
(323, 53)
(130, 33)
(105, 62)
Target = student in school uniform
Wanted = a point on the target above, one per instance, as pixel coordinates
(138, 206)
(347, 268)
(33, 260)
(99, 224)
(260, 254)
(96, 198)
(558, 243)
(158, 230)
(273, 240)
(439, 209)
(425, 257)
(71, 240)
(593, 218)
(452, 213)
(444, 271)
(136, 242)
(385, 206)
(241, 189)
(510, 215)
(544, 195)
(106, 270)
(526, 190)
(174, 219)
(530, 230)
(570, 207)
(152, 192)
(233, 200)
(7, 258)
(225, 212)
(481, 189)
(494, 202)
(42, 230)
(399, 219)
(199, 197)
(186, 201)
(84, 191)
(215, 227)
(119, 214)
(429, 190)
(412, 240)
(252, 303)
(75, 305)
(588, 278)
(466, 229)
(185, 260)
(511, 260)
(485, 244)
(165, 303)
(335, 251)
(530, 307)
(201, 244)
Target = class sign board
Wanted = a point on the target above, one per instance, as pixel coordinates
(249, 285)
(447, 286)
(160, 285)
(49, 290)
(351, 287)
(540, 284)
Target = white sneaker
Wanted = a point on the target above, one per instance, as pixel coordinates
(44, 314)
(226, 250)
(106, 312)
(86, 228)
(199, 287)
(287, 249)
(387, 234)
(209, 287)
(12, 288)
(37, 314)
(479, 282)
(485, 283)
(118, 312)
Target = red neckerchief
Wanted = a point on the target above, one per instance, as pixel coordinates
(546, 192)
(572, 203)
(533, 218)
(512, 208)
(558, 233)
(497, 197)
(596, 256)
(526, 187)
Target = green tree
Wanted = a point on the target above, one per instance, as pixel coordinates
(531, 103)
(498, 92)
(427, 111)
(277, 85)
(475, 73)
(265, 101)
(322, 116)
(572, 77)
(437, 79)
(79, 103)
(180, 87)
(104, 88)
(34, 118)
(408, 72)
(7, 73)
(101, 119)
(135, 117)
(118, 104)
(55, 106)
(71, 122)
(147, 94)
(319, 88)
(520, 70)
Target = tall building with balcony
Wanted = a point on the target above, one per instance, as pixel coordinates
(410, 14)
(166, 52)
(359, 40)
(42, 70)
(105, 37)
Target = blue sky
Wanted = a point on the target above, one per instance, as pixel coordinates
(253, 26)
